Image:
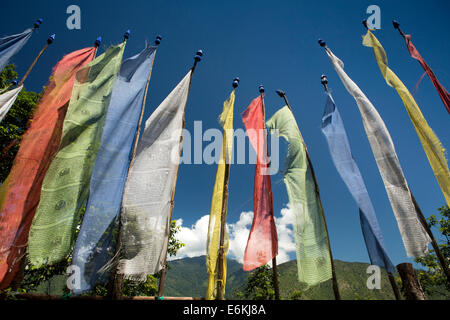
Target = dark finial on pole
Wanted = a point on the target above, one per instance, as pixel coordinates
(98, 42)
(324, 81)
(397, 26)
(236, 82)
(261, 89)
(38, 23)
(126, 35)
(364, 22)
(51, 39)
(281, 93)
(158, 40)
(198, 56)
(321, 43)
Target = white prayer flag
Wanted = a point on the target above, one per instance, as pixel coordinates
(147, 199)
(415, 238)
(7, 100)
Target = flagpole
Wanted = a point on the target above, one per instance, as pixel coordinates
(274, 259)
(397, 26)
(49, 42)
(337, 295)
(392, 281)
(420, 215)
(220, 280)
(138, 132)
(198, 57)
(116, 280)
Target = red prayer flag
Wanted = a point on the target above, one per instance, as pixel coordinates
(20, 193)
(262, 245)
(443, 93)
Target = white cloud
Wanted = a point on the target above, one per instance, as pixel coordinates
(195, 236)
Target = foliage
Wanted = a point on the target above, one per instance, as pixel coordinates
(260, 284)
(34, 277)
(296, 295)
(433, 280)
(7, 76)
(147, 288)
(15, 122)
(174, 243)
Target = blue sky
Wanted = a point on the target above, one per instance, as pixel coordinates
(273, 43)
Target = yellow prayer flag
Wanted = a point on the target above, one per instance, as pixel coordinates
(430, 142)
(217, 204)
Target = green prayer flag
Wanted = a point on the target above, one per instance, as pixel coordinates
(66, 184)
(311, 238)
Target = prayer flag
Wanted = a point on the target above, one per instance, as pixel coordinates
(218, 204)
(150, 186)
(95, 244)
(311, 237)
(7, 99)
(262, 245)
(443, 93)
(336, 135)
(10, 45)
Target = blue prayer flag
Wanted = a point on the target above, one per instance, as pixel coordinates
(334, 131)
(10, 45)
(95, 245)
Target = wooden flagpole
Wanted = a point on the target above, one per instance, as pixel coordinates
(49, 42)
(333, 271)
(391, 278)
(223, 216)
(116, 279)
(197, 58)
(274, 260)
(396, 26)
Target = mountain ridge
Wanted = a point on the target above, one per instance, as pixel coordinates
(188, 277)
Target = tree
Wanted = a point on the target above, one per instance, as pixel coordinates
(433, 280)
(260, 284)
(16, 121)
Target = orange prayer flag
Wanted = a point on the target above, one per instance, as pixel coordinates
(20, 193)
(262, 245)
